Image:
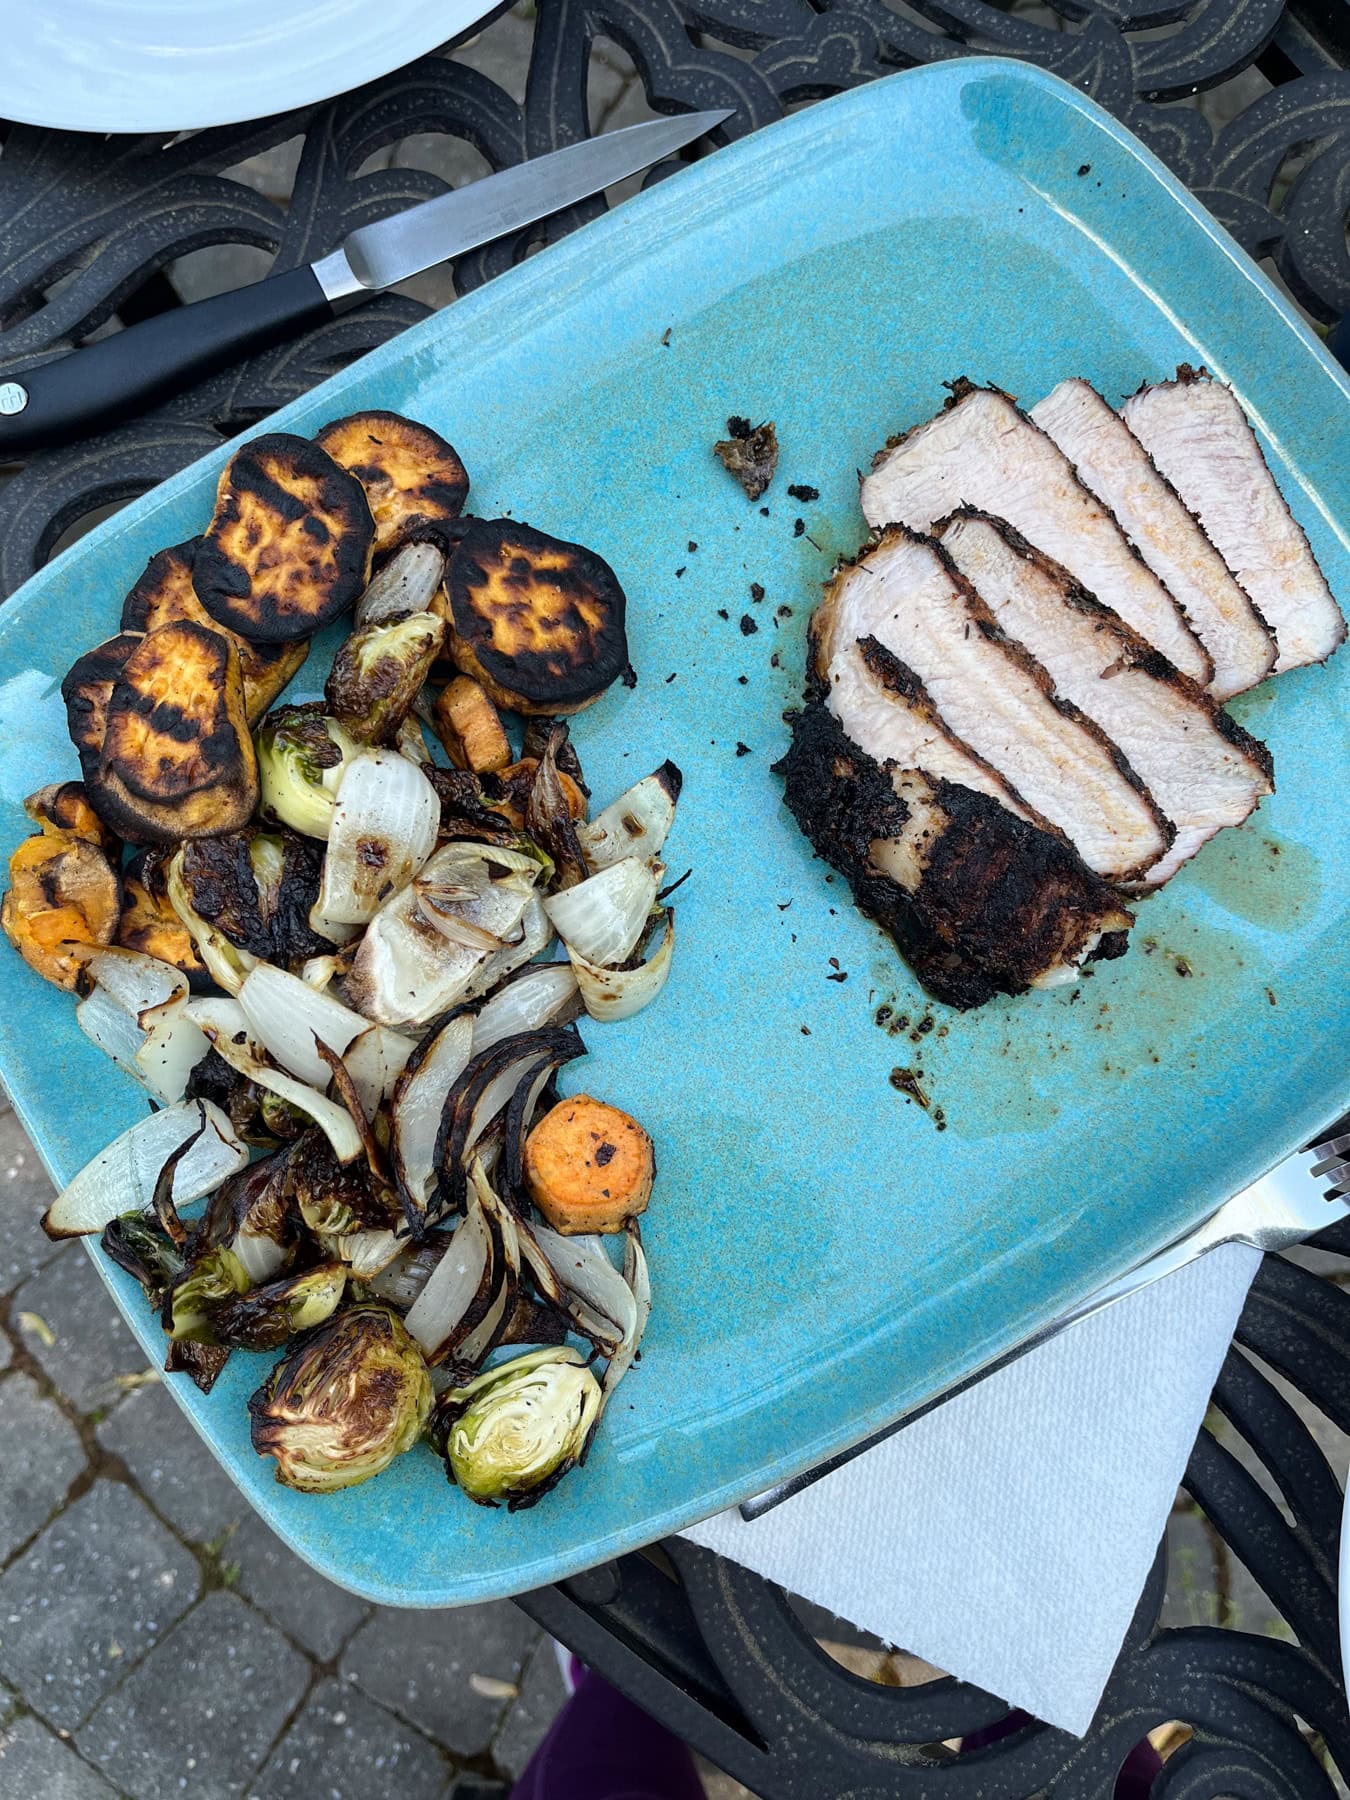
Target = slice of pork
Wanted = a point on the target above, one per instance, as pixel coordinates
(1114, 465)
(979, 902)
(1197, 433)
(896, 719)
(1201, 767)
(982, 451)
(918, 619)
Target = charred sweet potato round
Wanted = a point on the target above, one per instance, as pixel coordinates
(288, 546)
(165, 593)
(65, 807)
(149, 923)
(409, 472)
(63, 892)
(177, 759)
(86, 691)
(539, 623)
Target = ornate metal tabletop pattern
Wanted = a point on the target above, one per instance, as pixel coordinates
(87, 229)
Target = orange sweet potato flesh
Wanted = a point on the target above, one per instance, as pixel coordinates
(63, 892)
(470, 728)
(589, 1166)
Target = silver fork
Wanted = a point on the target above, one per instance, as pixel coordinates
(1281, 1209)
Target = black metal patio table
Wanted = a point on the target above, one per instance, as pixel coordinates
(88, 228)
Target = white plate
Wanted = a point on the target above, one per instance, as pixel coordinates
(172, 65)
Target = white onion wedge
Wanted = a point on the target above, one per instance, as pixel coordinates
(454, 1284)
(612, 994)
(285, 1015)
(536, 934)
(375, 1060)
(636, 824)
(107, 1023)
(226, 1024)
(604, 916)
(639, 1285)
(416, 1108)
(134, 1014)
(121, 1178)
(582, 1266)
(506, 1272)
(383, 830)
(172, 1049)
(406, 584)
(368, 1252)
(536, 997)
(139, 983)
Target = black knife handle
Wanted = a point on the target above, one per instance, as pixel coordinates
(119, 376)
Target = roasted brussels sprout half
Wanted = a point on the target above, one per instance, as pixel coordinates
(165, 593)
(538, 622)
(265, 1317)
(177, 760)
(255, 889)
(251, 1215)
(288, 546)
(63, 892)
(515, 1431)
(150, 925)
(301, 756)
(189, 1306)
(87, 690)
(335, 1198)
(379, 672)
(202, 1362)
(138, 1243)
(344, 1403)
(65, 807)
(409, 472)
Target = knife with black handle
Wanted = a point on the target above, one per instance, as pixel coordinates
(92, 388)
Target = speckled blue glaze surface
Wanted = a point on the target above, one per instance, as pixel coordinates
(822, 1254)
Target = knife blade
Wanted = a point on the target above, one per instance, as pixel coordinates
(97, 386)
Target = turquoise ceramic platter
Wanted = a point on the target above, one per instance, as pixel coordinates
(824, 1251)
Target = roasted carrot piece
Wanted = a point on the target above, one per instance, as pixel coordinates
(470, 728)
(588, 1166)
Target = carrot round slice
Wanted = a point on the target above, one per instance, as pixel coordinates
(589, 1166)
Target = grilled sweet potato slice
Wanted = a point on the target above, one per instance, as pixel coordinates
(177, 759)
(165, 593)
(539, 623)
(409, 472)
(288, 546)
(63, 892)
(470, 730)
(86, 691)
(149, 924)
(65, 807)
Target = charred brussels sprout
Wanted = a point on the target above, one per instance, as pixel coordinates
(138, 1243)
(379, 672)
(245, 897)
(191, 1303)
(344, 1403)
(264, 1317)
(301, 756)
(514, 1432)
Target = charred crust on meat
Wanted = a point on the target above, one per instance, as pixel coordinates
(997, 902)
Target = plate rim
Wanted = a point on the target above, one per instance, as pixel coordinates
(581, 248)
(447, 22)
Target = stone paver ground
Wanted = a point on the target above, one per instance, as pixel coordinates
(155, 1638)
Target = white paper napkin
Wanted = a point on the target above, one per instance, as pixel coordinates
(1007, 1536)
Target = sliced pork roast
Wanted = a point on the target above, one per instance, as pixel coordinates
(918, 623)
(1197, 433)
(978, 901)
(1200, 766)
(1113, 464)
(982, 451)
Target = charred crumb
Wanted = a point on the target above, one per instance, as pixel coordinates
(798, 527)
(680, 571)
(692, 546)
(756, 592)
(1084, 169)
(750, 453)
(907, 1082)
(883, 1015)
(783, 612)
(742, 749)
(1270, 996)
(806, 1031)
(763, 512)
(1183, 967)
(939, 1118)
(841, 976)
(670, 677)
(748, 626)
(722, 613)
(783, 905)
(801, 490)
(741, 680)
(774, 662)
(665, 337)
(629, 676)
(833, 962)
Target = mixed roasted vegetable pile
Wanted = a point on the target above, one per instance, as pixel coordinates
(324, 946)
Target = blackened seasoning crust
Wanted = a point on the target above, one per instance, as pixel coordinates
(978, 901)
